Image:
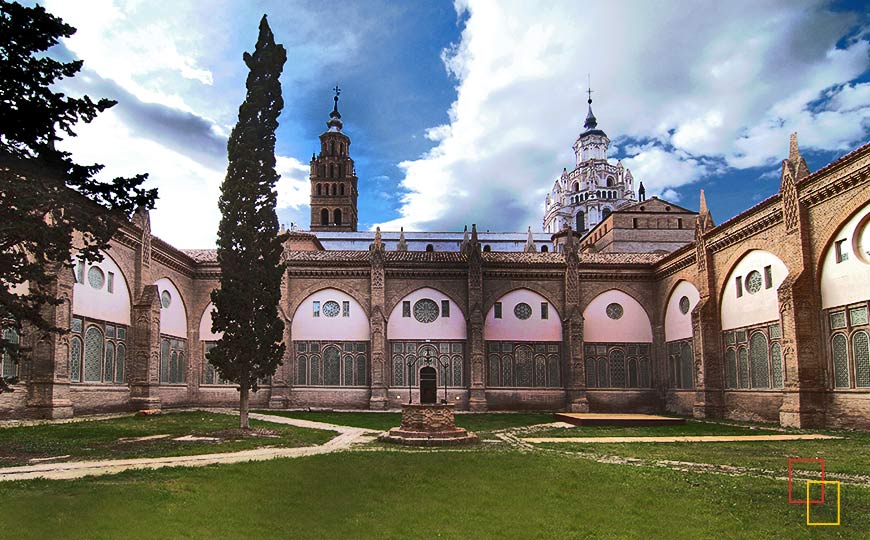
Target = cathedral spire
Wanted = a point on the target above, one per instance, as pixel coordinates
(334, 123)
(591, 122)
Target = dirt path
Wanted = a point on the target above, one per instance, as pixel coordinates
(691, 439)
(347, 436)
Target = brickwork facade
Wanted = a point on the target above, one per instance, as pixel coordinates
(798, 226)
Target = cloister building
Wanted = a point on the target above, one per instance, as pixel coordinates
(763, 317)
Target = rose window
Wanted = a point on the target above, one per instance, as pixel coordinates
(522, 311)
(425, 310)
(331, 309)
(614, 311)
(753, 282)
(684, 305)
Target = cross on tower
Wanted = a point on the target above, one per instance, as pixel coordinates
(589, 88)
(337, 91)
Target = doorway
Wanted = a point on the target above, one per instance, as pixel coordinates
(428, 385)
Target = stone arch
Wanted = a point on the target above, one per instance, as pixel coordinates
(748, 308)
(678, 325)
(534, 328)
(94, 303)
(306, 326)
(172, 321)
(324, 216)
(452, 327)
(337, 215)
(633, 326)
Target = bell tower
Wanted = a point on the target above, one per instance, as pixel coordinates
(333, 179)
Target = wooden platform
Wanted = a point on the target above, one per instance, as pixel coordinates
(608, 419)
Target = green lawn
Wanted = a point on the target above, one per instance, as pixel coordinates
(849, 455)
(401, 495)
(96, 439)
(384, 421)
(691, 427)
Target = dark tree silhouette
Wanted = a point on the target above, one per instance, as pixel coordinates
(249, 246)
(52, 209)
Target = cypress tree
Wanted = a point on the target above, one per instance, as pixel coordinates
(249, 246)
(46, 198)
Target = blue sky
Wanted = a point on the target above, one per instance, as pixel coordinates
(466, 113)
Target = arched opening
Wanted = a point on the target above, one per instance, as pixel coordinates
(319, 189)
(609, 181)
(332, 147)
(576, 186)
(487, 248)
(430, 247)
(324, 217)
(545, 249)
(605, 213)
(428, 385)
(331, 171)
(334, 189)
(341, 189)
(580, 221)
(338, 216)
(341, 148)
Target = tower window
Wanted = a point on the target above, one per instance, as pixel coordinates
(337, 215)
(332, 147)
(334, 190)
(319, 190)
(679, 223)
(497, 309)
(324, 217)
(331, 171)
(341, 189)
(634, 223)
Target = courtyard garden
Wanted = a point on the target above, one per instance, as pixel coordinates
(502, 487)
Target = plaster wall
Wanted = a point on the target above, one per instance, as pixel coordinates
(100, 303)
(510, 328)
(632, 327)
(678, 325)
(452, 327)
(749, 308)
(173, 319)
(849, 280)
(306, 326)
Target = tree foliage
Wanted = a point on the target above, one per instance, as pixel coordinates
(249, 246)
(52, 209)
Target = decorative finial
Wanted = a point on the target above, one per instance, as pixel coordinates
(530, 242)
(402, 245)
(641, 192)
(591, 122)
(589, 88)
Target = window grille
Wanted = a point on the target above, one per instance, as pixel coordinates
(841, 361)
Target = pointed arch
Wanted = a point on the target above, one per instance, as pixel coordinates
(632, 326)
(312, 324)
(173, 314)
(542, 324)
(739, 305)
(678, 325)
(451, 325)
(101, 303)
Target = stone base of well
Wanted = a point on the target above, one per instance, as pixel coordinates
(428, 424)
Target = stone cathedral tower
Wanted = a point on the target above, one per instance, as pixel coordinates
(584, 196)
(333, 179)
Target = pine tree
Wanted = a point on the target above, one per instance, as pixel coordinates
(45, 197)
(249, 246)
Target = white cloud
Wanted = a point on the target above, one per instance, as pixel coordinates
(703, 85)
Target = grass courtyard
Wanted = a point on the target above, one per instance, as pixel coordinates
(489, 490)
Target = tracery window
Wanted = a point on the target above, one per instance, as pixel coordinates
(523, 364)
(850, 346)
(331, 308)
(172, 365)
(618, 365)
(753, 282)
(684, 305)
(753, 356)
(408, 357)
(682, 362)
(425, 310)
(98, 351)
(96, 277)
(332, 363)
(210, 374)
(614, 311)
(8, 365)
(522, 311)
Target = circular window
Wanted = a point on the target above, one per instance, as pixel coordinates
(96, 278)
(753, 282)
(614, 311)
(331, 309)
(861, 240)
(165, 299)
(425, 310)
(522, 311)
(684, 305)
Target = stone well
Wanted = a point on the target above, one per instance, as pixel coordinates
(428, 424)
